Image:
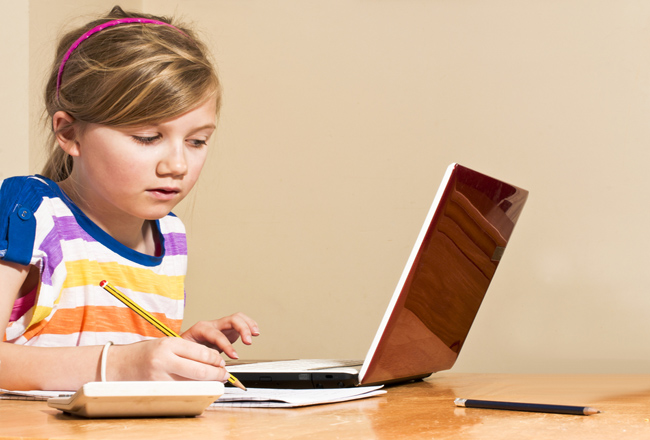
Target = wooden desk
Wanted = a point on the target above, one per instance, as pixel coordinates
(418, 410)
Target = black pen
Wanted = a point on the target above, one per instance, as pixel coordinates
(531, 407)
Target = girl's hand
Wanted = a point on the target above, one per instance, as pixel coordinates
(221, 333)
(165, 358)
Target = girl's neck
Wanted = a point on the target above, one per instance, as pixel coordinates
(135, 233)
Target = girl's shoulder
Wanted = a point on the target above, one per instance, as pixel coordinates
(22, 195)
(30, 179)
(20, 198)
(26, 190)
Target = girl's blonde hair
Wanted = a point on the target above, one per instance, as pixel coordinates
(127, 75)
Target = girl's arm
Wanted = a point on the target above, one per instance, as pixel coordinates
(12, 277)
(31, 367)
(67, 368)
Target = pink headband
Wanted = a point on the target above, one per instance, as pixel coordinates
(99, 28)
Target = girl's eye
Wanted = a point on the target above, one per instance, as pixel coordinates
(198, 143)
(146, 140)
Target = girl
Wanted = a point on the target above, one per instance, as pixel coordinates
(133, 101)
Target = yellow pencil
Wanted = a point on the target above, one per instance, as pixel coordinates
(153, 321)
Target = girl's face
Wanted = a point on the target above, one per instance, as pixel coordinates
(140, 173)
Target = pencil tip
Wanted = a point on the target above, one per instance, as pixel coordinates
(237, 383)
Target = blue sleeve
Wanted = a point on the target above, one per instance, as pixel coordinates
(18, 202)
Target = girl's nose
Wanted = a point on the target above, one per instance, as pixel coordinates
(173, 162)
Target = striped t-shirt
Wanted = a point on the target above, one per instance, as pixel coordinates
(41, 226)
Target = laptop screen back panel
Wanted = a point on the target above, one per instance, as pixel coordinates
(446, 277)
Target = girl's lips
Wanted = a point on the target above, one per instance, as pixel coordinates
(164, 193)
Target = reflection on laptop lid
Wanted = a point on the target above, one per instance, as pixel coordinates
(437, 297)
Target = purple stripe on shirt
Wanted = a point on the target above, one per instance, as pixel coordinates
(69, 229)
(65, 228)
(175, 244)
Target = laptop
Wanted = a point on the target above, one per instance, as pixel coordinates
(436, 299)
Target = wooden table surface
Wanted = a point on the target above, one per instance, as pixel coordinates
(417, 410)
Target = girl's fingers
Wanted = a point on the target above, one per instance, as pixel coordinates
(244, 326)
(185, 369)
(196, 362)
(239, 326)
(207, 334)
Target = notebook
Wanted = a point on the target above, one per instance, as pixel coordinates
(437, 296)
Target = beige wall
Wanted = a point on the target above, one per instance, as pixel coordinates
(339, 120)
(14, 89)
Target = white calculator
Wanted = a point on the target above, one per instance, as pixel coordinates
(140, 399)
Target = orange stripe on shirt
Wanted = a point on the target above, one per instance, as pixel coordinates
(100, 319)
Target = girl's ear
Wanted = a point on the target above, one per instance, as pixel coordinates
(65, 131)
